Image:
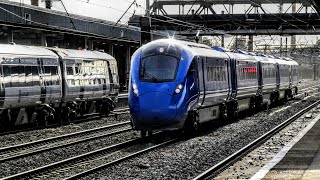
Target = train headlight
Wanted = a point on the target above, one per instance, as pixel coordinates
(178, 89)
(135, 89)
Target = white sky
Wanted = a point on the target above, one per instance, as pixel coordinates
(112, 10)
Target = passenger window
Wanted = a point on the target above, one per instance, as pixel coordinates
(34, 70)
(54, 70)
(77, 70)
(6, 71)
(28, 71)
(14, 70)
(69, 71)
(47, 70)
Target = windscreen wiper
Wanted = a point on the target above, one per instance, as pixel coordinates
(152, 77)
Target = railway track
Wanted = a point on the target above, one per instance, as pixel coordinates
(84, 164)
(85, 118)
(30, 148)
(211, 172)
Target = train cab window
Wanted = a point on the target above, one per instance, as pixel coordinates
(158, 68)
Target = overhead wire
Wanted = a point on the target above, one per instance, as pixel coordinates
(177, 22)
(65, 28)
(71, 21)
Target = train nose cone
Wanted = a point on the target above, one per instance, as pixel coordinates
(156, 110)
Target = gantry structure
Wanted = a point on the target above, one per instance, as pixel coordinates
(192, 16)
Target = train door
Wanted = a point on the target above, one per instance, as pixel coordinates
(83, 78)
(106, 82)
(234, 78)
(42, 80)
(201, 78)
(2, 90)
(278, 75)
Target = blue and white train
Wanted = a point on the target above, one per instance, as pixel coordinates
(176, 84)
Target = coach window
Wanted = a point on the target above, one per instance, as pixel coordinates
(69, 70)
(22, 76)
(7, 76)
(15, 76)
(48, 77)
(28, 76)
(35, 75)
(54, 74)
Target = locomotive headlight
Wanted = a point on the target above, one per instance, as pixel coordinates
(178, 89)
(135, 89)
(134, 86)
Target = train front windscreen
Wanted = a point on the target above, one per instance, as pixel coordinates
(158, 68)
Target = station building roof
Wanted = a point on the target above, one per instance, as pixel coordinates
(28, 16)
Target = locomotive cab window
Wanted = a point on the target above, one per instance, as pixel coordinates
(158, 68)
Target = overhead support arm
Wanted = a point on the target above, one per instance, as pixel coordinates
(316, 5)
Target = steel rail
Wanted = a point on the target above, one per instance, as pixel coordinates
(17, 148)
(112, 163)
(44, 170)
(243, 151)
(85, 118)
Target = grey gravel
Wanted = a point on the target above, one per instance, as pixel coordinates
(29, 136)
(41, 159)
(182, 160)
(187, 159)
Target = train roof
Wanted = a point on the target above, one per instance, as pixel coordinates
(286, 62)
(82, 54)
(194, 48)
(25, 51)
(242, 57)
(265, 59)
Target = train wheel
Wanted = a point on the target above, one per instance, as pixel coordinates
(233, 110)
(252, 104)
(191, 125)
(223, 112)
(290, 94)
(5, 119)
(258, 103)
(143, 134)
(150, 133)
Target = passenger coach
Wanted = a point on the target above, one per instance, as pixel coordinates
(51, 85)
